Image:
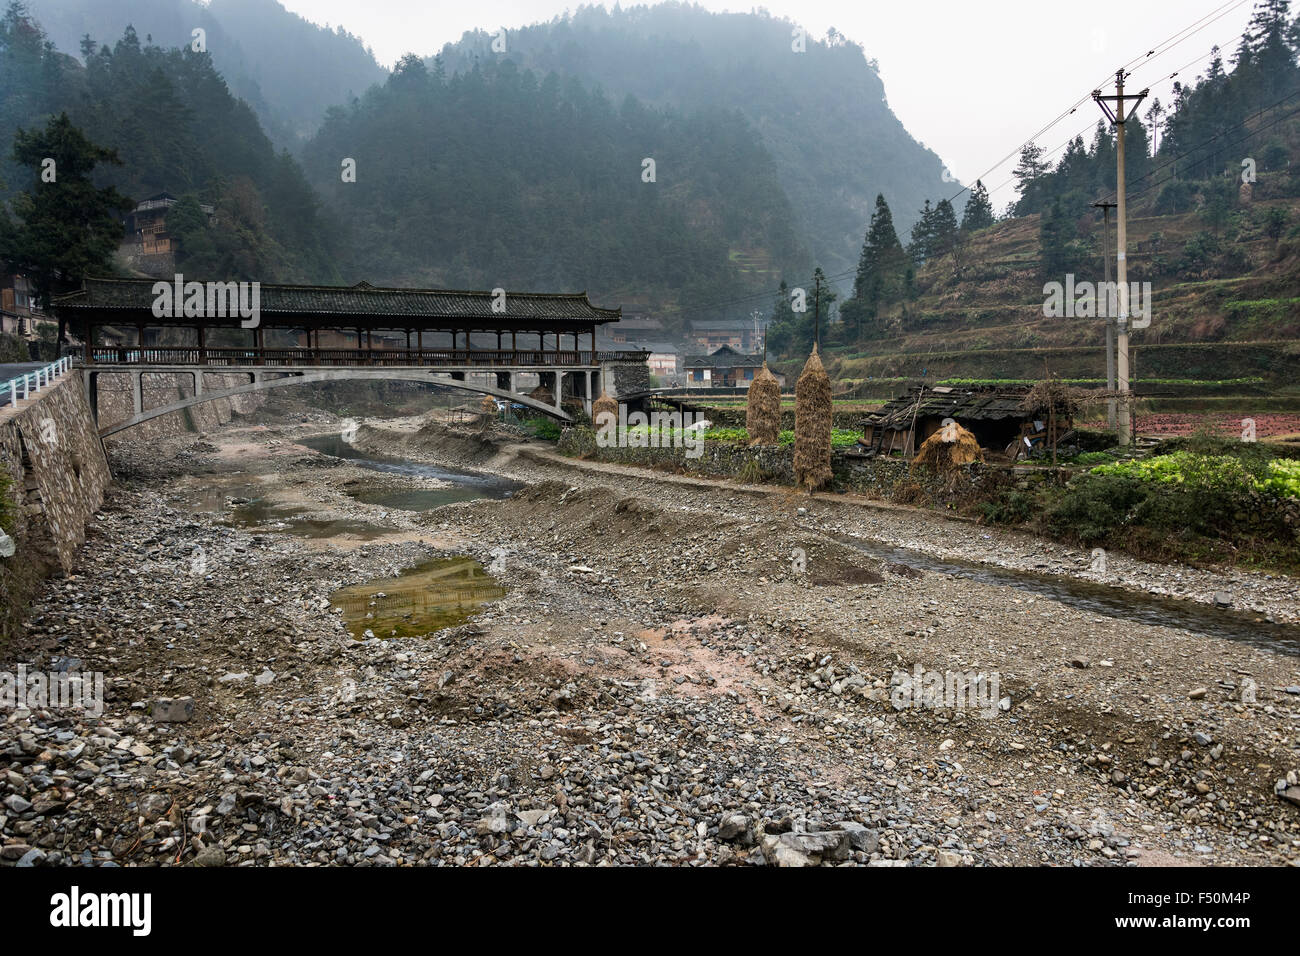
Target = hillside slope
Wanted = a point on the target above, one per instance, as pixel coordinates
(822, 114)
(288, 69)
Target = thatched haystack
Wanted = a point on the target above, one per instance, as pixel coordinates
(763, 412)
(948, 449)
(812, 425)
(601, 407)
(487, 412)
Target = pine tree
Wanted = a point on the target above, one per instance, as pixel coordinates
(943, 229)
(1055, 230)
(879, 273)
(1028, 174)
(67, 228)
(978, 213)
(921, 247)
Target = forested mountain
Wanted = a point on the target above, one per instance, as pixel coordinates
(822, 114)
(176, 128)
(498, 177)
(288, 69)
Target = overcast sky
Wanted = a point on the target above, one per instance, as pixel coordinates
(971, 80)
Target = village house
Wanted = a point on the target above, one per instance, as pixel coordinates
(709, 334)
(147, 246)
(723, 368)
(664, 358)
(19, 310)
(994, 415)
(635, 327)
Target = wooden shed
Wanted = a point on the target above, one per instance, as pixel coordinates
(993, 414)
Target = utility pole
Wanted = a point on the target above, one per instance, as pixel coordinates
(1119, 116)
(1106, 207)
(817, 310)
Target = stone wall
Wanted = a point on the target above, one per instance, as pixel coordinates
(874, 477)
(53, 475)
(625, 378)
(116, 404)
(734, 416)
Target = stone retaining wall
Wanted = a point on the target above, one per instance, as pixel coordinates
(876, 477)
(53, 475)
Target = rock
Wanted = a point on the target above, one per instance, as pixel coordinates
(1197, 694)
(1294, 689)
(265, 677)
(531, 818)
(1291, 795)
(782, 824)
(732, 826)
(948, 858)
(232, 678)
(1081, 662)
(210, 856)
(226, 805)
(860, 838)
(806, 849)
(1203, 738)
(496, 821)
(17, 804)
(173, 710)
(1222, 598)
(31, 857)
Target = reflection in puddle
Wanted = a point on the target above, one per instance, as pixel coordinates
(462, 485)
(433, 595)
(414, 499)
(261, 515)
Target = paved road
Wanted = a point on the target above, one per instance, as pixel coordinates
(13, 370)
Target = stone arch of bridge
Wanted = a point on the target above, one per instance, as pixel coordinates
(290, 378)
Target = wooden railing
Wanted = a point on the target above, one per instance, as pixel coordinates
(347, 358)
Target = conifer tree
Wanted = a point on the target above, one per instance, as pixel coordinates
(978, 213)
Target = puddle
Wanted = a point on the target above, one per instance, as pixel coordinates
(213, 495)
(260, 515)
(433, 595)
(1101, 599)
(465, 485)
(414, 499)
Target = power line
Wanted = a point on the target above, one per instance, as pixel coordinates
(1192, 149)
(1150, 56)
(1195, 27)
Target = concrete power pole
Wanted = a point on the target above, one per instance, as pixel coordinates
(1119, 116)
(817, 311)
(1106, 207)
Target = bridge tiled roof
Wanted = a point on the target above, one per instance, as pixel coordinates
(360, 301)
